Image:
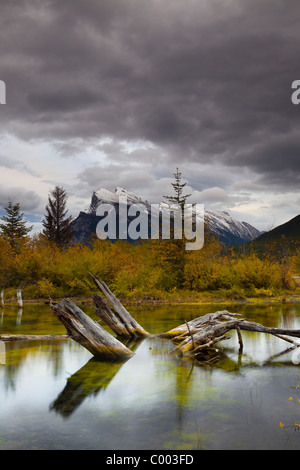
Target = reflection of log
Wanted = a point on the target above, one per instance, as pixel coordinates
(89, 333)
(89, 380)
(32, 337)
(117, 317)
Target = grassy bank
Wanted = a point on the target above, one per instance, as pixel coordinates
(172, 298)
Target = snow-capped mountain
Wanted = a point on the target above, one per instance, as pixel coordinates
(228, 229)
(102, 195)
(220, 224)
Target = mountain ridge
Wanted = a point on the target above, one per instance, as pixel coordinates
(288, 231)
(228, 230)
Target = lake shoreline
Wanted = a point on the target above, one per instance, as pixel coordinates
(139, 302)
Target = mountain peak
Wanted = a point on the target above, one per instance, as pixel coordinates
(103, 195)
(219, 223)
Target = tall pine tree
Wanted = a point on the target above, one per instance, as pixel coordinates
(57, 225)
(14, 229)
(178, 187)
(174, 249)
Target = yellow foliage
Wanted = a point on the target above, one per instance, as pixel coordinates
(149, 267)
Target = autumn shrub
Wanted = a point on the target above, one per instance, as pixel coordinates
(296, 262)
(7, 258)
(252, 271)
(153, 268)
(208, 269)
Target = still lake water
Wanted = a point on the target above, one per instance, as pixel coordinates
(54, 395)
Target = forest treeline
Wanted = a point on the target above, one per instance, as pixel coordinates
(50, 265)
(152, 270)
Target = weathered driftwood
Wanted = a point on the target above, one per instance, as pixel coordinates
(33, 337)
(202, 333)
(109, 316)
(252, 326)
(117, 317)
(196, 324)
(88, 333)
(192, 343)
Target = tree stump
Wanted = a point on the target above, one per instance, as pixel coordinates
(82, 329)
(117, 317)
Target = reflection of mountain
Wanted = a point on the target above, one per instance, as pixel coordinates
(218, 223)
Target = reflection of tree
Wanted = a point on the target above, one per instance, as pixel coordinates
(17, 353)
(93, 377)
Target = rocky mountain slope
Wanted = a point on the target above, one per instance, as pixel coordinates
(220, 224)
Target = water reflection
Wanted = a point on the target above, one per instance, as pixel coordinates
(55, 395)
(2, 353)
(93, 377)
(19, 317)
(89, 380)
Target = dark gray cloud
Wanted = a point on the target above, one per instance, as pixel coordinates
(29, 200)
(204, 81)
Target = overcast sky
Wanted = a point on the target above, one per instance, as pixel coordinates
(106, 93)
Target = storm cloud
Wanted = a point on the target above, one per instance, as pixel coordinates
(202, 84)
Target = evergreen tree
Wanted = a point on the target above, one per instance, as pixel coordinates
(14, 229)
(178, 186)
(57, 225)
(174, 250)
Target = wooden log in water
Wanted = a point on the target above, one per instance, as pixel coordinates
(117, 317)
(88, 333)
(206, 337)
(111, 318)
(198, 335)
(193, 326)
(252, 326)
(8, 337)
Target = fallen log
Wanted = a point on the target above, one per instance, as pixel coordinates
(252, 326)
(117, 317)
(88, 333)
(197, 323)
(201, 333)
(33, 337)
(206, 337)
